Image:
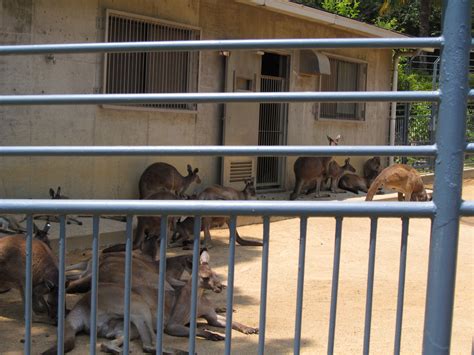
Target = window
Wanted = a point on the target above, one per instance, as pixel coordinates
(153, 72)
(345, 76)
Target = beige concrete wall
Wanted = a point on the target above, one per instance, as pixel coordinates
(54, 21)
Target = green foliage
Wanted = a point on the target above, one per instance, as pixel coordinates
(347, 8)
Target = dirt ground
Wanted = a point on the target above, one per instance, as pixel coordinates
(281, 301)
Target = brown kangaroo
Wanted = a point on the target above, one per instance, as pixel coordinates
(162, 175)
(353, 183)
(143, 312)
(217, 192)
(335, 172)
(371, 169)
(403, 179)
(311, 169)
(148, 229)
(49, 218)
(44, 273)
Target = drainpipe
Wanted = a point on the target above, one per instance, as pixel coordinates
(393, 112)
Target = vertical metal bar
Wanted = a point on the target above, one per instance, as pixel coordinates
(161, 284)
(94, 282)
(299, 295)
(230, 286)
(450, 140)
(194, 289)
(62, 282)
(28, 283)
(263, 289)
(335, 284)
(370, 284)
(128, 284)
(401, 285)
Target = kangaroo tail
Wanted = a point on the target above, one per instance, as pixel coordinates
(378, 182)
(247, 243)
(82, 285)
(69, 341)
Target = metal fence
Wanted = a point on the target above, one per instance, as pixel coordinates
(445, 209)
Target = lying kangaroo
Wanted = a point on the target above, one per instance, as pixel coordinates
(371, 170)
(145, 271)
(335, 172)
(147, 233)
(216, 192)
(143, 312)
(162, 175)
(44, 273)
(311, 169)
(403, 179)
(353, 183)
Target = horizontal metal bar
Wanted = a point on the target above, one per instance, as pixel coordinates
(210, 150)
(223, 208)
(220, 97)
(467, 208)
(152, 46)
(470, 94)
(469, 148)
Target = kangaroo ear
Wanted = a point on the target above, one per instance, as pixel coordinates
(51, 193)
(58, 192)
(204, 257)
(47, 227)
(190, 170)
(50, 285)
(196, 171)
(347, 160)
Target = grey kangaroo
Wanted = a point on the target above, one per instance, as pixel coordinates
(165, 176)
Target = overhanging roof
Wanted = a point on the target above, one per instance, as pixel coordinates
(323, 17)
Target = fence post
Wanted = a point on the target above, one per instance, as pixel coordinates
(450, 140)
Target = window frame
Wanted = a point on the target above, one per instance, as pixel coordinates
(317, 106)
(153, 20)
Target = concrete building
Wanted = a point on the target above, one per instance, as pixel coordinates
(62, 21)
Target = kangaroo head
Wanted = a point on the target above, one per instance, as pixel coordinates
(375, 163)
(249, 189)
(194, 174)
(42, 234)
(208, 279)
(348, 166)
(334, 141)
(421, 196)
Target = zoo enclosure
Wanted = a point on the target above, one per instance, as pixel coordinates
(445, 209)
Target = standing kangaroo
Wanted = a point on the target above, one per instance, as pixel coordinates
(148, 229)
(311, 169)
(371, 170)
(165, 176)
(402, 178)
(217, 192)
(44, 273)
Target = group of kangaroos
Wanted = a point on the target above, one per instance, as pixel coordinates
(162, 181)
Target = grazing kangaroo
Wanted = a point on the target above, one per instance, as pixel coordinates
(311, 169)
(44, 273)
(371, 169)
(335, 172)
(162, 175)
(217, 192)
(143, 312)
(147, 233)
(353, 183)
(403, 179)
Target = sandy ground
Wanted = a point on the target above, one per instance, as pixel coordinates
(281, 300)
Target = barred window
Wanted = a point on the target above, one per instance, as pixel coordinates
(151, 72)
(345, 76)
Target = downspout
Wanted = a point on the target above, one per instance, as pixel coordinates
(393, 111)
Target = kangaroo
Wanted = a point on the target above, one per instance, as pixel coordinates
(403, 179)
(143, 312)
(217, 192)
(148, 229)
(44, 273)
(335, 172)
(162, 175)
(48, 218)
(371, 169)
(145, 271)
(311, 169)
(353, 183)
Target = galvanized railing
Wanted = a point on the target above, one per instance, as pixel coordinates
(445, 210)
